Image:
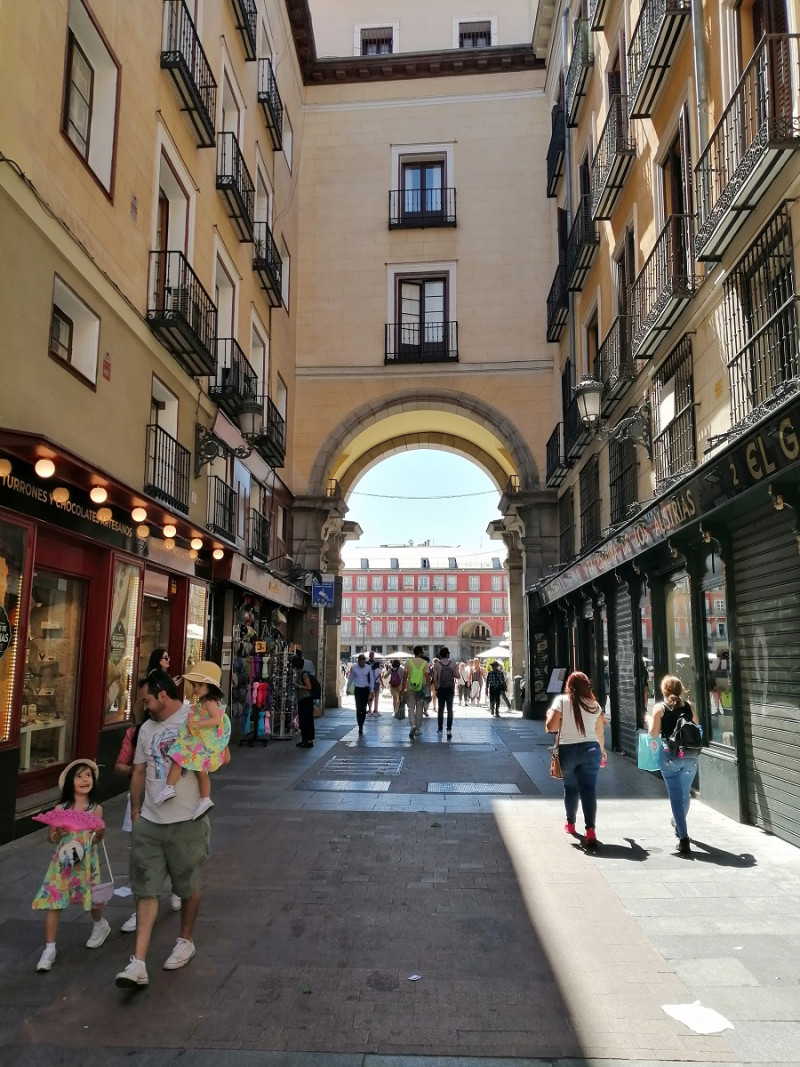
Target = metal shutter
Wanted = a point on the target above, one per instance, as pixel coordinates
(625, 671)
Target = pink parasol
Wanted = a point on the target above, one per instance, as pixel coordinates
(70, 819)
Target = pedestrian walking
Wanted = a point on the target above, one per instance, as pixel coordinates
(395, 683)
(165, 838)
(463, 683)
(678, 768)
(303, 669)
(375, 685)
(416, 679)
(75, 866)
(360, 678)
(577, 718)
(495, 687)
(475, 682)
(444, 679)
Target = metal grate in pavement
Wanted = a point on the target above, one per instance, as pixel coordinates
(327, 786)
(473, 787)
(358, 764)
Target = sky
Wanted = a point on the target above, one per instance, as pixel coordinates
(420, 495)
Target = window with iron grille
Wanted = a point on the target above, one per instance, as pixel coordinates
(760, 317)
(674, 450)
(590, 504)
(566, 528)
(475, 34)
(622, 477)
(377, 41)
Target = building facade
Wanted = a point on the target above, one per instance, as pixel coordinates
(673, 170)
(395, 597)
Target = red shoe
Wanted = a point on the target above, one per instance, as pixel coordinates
(569, 827)
(590, 841)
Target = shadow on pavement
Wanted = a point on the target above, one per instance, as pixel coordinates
(634, 851)
(720, 857)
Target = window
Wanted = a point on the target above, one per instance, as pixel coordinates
(479, 33)
(438, 627)
(347, 583)
(282, 524)
(496, 564)
(391, 605)
(422, 319)
(673, 414)
(438, 605)
(394, 563)
(361, 581)
(590, 503)
(566, 528)
(408, 581)
(91, 85)
(423, 628)
(452, 581)
(497, 605)
(376, 41)
(474, 581)
(422, 185)
(364, 563)
(438, 581)
(285, 265)
(497, 583)
(377, 581)
(425, 564)
(408, 605)
(287, 143)
(452, 606)
(391, 628)
(377, 605)
(347, 605)
(423, 605)
(622, 478)
(408, 628)
(474, 605)
(74, 332)
(376, 628)
(392, 581)
(361, 604)
(346, 628)
(423, 582)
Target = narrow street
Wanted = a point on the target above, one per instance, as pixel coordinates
(374, 901)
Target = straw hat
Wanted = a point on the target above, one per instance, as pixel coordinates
(205, 671)
(76, 763)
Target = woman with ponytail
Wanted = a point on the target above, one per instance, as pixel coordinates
(578, 719)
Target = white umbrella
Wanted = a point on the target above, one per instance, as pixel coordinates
(498, 652)
(398, 655)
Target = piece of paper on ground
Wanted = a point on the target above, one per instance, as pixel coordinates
(696, 1017)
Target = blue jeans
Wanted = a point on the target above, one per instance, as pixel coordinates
(678, 775)
(580, 766)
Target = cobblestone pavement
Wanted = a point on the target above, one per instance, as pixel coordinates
(340, 872)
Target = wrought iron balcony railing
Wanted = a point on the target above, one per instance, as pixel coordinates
(183, 56)
(269, 440)
(576, 435)
(557, 463)
(557, 304)
(651, 49)
(674, 443)
(236, 185)
(597, 14)
(418, 208)
(766, 362)
(267, 263)
(613, 159)
(426, 342)
(582, 244)
(181, 313)
(221, 515)
(753, 139)
(580, 66)
(258, 536)
(555, 151)
(613, 365)
(245, 15)
(236, 383)
(167, 467)
(664, 285)
(271, 103)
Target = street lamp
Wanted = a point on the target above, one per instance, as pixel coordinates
(634, 427)
(362, 621)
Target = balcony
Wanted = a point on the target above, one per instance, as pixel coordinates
(582, 244)
(236, 384)
(258, 537)
(557, 304)
(758, 131)
(576, 435)
(597, 14)
(555, 151)
(557, 465)
(613, 159)
(183, 56)
(665, 284)
(267, 263)
(167, 469)
(427, 342)
(271, 103)
(580, 66)
(181, 313)
(269, 438)
(415, 209)
(236, 185)
(245, 16)
(613, 365)
(221, 514)
(652, 46)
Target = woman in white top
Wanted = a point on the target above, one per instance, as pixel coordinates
(578, 718)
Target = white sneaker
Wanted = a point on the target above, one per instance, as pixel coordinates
(203, 805)
(129, 926)
(134, 976)
(167, 793)
(100, 932)
(47, 959)
(175, 902)
(181, 954)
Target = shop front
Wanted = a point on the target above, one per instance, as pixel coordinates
(703, 583)
(84, 597)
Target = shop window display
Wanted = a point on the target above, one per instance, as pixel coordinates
(262, 697)
(13, 545)
(195, 625)
(122, 642)
(718, 678)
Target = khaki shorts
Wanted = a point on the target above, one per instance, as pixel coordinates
(177, 849)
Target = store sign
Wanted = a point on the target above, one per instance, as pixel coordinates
(117, 643)
(6, 631)
(754, 460)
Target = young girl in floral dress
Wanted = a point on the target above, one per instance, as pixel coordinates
(202, 746)
(74, 868)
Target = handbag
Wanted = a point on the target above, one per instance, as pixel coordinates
(351, 687)
(555, 759)
(648, 756)
(103, 891)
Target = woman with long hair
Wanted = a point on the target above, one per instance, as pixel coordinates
(578, 719)
(677, 769)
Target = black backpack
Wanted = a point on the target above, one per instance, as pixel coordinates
(447, 678)
(316, 688)
(687, 737)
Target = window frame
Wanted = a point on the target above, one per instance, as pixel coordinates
(62, 357)
(366, 33)
(471, 20)
(590, 503)
(73, 46)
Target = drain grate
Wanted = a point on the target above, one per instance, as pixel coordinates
(472, 787)
(366, 764)
(328, 786)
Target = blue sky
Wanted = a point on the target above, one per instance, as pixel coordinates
(459, 502)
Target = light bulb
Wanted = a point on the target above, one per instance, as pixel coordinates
(170, 530)
(104, 515)
(98, 494)
(169, 543)
(60, 494)
(45, 468)
(5, 468)
(142, 531)
(138, 514)
(197, 543)
(218, 553)
(193, 554)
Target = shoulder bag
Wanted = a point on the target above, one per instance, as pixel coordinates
(555, 759)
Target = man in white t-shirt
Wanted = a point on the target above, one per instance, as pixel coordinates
(165, 839)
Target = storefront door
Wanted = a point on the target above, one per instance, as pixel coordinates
(625, 673)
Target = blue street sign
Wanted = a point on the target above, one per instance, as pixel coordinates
(321, 594)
